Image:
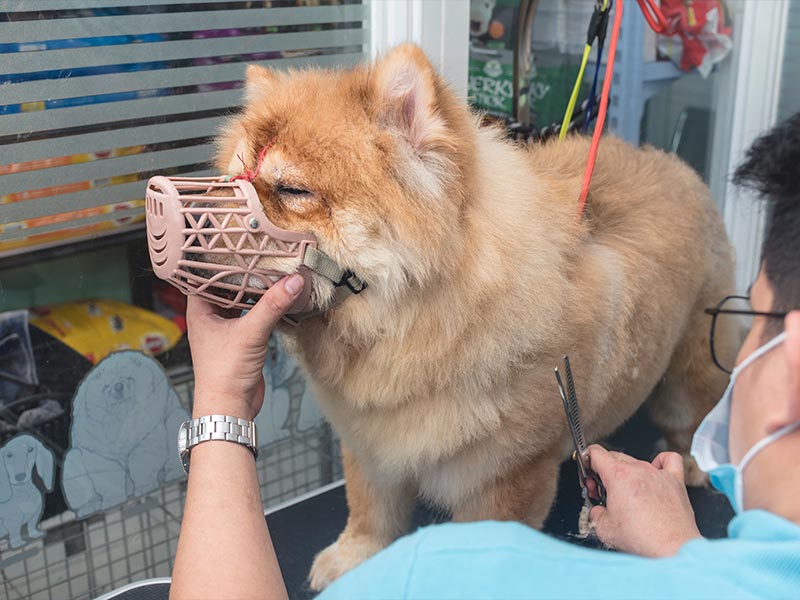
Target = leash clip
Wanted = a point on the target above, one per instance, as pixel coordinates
(598, 25)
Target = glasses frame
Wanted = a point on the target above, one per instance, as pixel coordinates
(716, 311)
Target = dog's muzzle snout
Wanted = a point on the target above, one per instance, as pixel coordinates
(209, 237)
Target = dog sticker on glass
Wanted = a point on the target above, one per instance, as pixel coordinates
(125, 416)
(289, 409)
(21, 496)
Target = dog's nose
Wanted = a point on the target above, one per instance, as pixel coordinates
(19, 476)
(119, 388)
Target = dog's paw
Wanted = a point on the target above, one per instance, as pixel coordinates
(94, 504)
(337, 559)
(693, 475)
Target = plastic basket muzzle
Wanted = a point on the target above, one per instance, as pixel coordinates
(207, 236)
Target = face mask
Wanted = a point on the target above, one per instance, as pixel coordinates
(710, 444)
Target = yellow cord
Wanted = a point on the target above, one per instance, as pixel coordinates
(574, 98)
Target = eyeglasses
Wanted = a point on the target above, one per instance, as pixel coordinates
(730, 321)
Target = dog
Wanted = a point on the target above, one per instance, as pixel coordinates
(21, 500)
(480, 16)
(438, 378)
(125, 419)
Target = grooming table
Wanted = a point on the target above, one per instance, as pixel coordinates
(306, 525)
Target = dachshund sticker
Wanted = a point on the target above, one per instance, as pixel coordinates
(21, 498)
(125, 419)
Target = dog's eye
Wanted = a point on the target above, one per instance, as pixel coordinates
(292, 191)
(30, 449)
(10, 455)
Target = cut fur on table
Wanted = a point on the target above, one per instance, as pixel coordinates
(439, 377)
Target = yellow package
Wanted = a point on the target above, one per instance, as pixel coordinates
(96, 328)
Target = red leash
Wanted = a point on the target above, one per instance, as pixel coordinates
(655, 18)
(601, 115)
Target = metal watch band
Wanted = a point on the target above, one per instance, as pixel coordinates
(215, 427)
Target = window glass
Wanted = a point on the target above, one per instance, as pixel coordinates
(789, 100)
(95, 376)
(680, 119)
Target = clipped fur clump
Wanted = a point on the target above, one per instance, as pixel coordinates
(439, 377)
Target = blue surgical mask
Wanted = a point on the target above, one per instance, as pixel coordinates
(710, 448)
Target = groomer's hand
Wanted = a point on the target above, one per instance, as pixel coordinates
(647, 508)
(228, 352)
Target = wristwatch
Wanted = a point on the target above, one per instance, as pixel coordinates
(215, 427)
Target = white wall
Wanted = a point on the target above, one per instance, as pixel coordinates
(440, 27)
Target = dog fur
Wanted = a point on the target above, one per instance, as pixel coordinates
(439, 377)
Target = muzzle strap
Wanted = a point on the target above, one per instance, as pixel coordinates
(324, 265)
(347, 283)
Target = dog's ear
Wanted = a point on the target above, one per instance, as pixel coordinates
(5, 480)
(405, 85)
(257, 79)
(44, 464)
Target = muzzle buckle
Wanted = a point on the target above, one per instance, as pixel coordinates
(352, 282)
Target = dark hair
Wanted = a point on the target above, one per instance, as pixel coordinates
(772, 168)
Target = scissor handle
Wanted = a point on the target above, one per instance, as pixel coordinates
(585, 472)
(601, 491)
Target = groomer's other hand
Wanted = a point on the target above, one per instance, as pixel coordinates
(647, 508)
(228, 353)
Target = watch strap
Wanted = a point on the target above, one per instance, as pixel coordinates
(215, 427)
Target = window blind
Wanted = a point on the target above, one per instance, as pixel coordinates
(98, 95)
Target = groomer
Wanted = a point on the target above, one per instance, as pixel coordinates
(749, 444)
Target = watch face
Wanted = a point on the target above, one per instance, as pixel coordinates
(185, 462)
(183, 436)
(183, 442)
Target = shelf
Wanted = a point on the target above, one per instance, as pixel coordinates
(635, 80)
(657, 75)
(661, 70)
(654, 71)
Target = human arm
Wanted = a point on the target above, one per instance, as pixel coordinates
(647, 510)
(224, 548)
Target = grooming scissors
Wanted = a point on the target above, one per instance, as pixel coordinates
(570, 400)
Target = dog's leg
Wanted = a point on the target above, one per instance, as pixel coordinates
(691, 387)
(91, 482)
(15, 539)
(33, 529)
(525, 494)
(377, 516)
(145, 461)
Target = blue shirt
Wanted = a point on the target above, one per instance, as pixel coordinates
(759, 559)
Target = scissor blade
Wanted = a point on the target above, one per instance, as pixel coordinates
(573, 413)
(570, 402)
(572, 431)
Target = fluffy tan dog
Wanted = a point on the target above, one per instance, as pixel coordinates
(439, 377)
